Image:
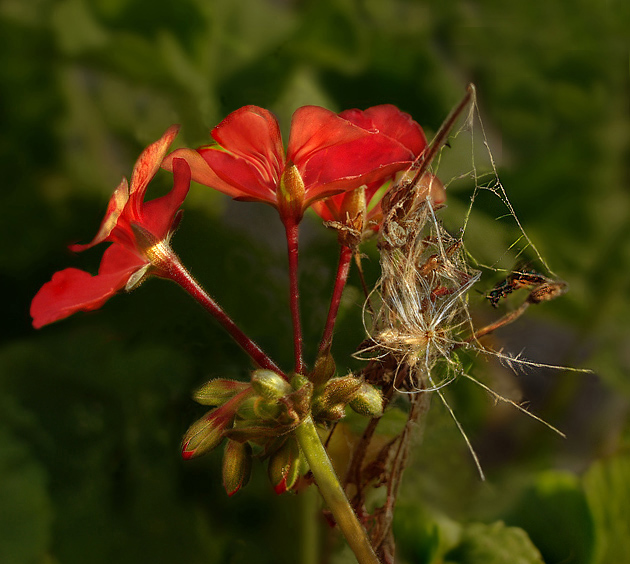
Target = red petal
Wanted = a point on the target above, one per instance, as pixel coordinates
(253, 134)
(157, 215)
(350, 165)
(200, 171)
(115, 207)
(73, 290)
(314, 129)
(390, 121)
(246, 181)
(147, 165)
(328, 209)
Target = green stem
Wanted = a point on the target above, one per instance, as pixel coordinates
(309, 547)
(333, 493)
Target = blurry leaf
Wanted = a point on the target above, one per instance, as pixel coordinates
(494, 544)
(607, 486)
(555, 514)
(77, 29)
(422, 536)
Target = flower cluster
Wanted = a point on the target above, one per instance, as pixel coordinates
(341, 166)
(329, 158)
(361, 172)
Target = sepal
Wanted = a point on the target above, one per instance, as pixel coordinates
(237, 465)
(270, 385)
(206, 433)
(284, 466)
(218, 391)
(368, 401)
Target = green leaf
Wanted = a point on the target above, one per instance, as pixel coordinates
(607, 486)
(495, 544)
(556, 516)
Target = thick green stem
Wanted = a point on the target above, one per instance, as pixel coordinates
(333, 493)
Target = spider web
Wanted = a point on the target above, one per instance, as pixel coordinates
(421, 301)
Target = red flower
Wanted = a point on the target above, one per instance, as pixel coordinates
(136, 230)
(357, 209)
(327, 154)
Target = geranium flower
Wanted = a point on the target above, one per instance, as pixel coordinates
(139, 233)
(360, 210)
(326, 154)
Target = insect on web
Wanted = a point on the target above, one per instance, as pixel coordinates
(427, 273)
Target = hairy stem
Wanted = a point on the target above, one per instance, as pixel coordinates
(294, 293)
(345, 257)
(333, 493)
(171, 267)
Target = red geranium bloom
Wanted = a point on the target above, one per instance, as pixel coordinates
(327, 154)
(401, 128)
(133, 226)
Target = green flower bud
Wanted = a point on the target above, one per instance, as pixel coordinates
(284, 466)
(328, 412)
(206, 433)
(324, 370)
(217, 392)
(270, 385)
(340, 390)
(368, 402)
(247, 409)
(237, 465)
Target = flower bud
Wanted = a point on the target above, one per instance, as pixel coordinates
(217, 392)
(206, 433)
(284, 466)
(331, 403)
(324, 370)
(237, 465)
(368, 402)
(291, 194)
(353, 217)
(341, 390)
(270, 385)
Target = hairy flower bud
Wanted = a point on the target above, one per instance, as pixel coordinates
(270, 385)
(217, 392)
(368, 402)
(331, 403)
(237, 464)
(284, 466)
(341, 390)
(324, 370)
(206, 433)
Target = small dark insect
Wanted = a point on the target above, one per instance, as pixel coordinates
(515, 281)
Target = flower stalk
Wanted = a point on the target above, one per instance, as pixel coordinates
(343, 268)
(292, 229)
(333, 493)
(174, 270)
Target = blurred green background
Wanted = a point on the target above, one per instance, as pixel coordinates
(92, 409)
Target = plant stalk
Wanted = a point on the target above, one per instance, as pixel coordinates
(292, 230)
(171, 267)
(333, 493)
(343, 268)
